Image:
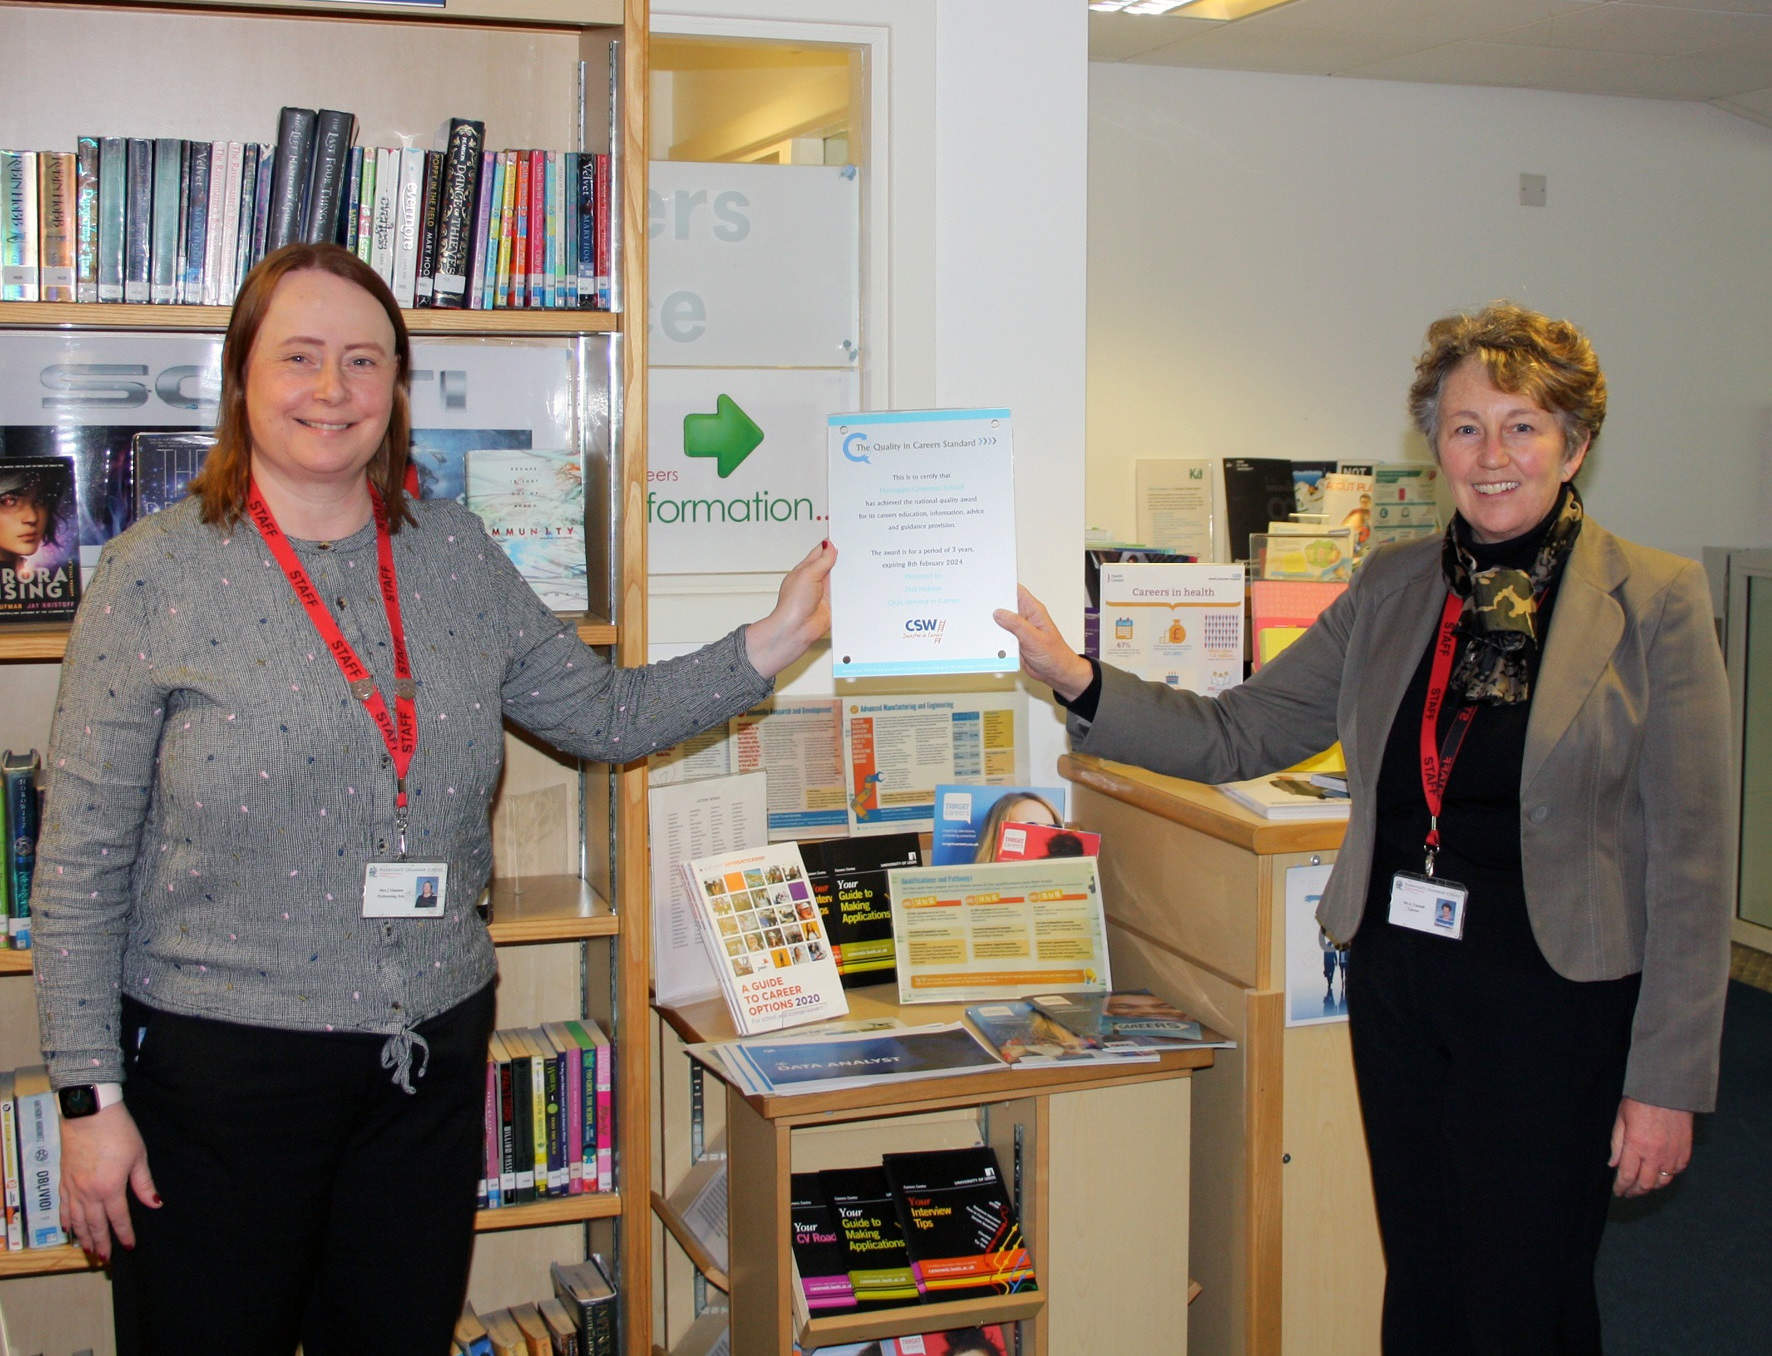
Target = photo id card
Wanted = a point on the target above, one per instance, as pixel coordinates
(1428, 904)
(405, 889)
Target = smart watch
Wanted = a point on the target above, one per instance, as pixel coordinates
(88, 1099)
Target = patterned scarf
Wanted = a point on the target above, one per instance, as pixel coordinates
(1500, 618)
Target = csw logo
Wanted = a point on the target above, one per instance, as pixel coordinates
(926, 628)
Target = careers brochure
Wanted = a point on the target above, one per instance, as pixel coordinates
(898, 749)
(765, 938)
(923, 502)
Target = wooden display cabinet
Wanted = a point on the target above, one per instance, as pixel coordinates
(1110, 1245)
(570, 894)
(1285, 1232)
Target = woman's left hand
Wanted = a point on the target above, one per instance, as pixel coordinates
(802, 614)
(1651, 1145)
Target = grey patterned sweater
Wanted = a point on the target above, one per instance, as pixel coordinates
(215, 792)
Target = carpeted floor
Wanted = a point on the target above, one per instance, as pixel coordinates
(1689, 1269)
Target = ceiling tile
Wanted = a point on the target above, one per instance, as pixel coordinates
(1710, 75)
(1245, 46)
(1756, 106)
(1722, 6)
(1118, 37)
(1425, 21)
(1648, 29)
(1491, 63)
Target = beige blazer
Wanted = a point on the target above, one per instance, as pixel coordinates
(1626, 816)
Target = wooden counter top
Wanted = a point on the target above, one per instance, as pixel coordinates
(1201, 807)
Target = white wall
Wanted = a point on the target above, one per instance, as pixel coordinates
(987, 110)
(1265, 253)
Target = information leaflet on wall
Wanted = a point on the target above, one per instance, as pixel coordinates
(1175, 624)
(686, 821)
(1316, 966)
(970, 934)
(922, 507)
(897, 750)
(801, 744)
(1175, 505)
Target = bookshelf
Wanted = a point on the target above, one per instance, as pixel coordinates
(1099, 1234)
(569, 900)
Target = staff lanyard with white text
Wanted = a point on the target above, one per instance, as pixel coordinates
(1437, 756)
(399, 732)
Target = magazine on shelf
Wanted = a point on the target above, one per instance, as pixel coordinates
(765, 939)
(1030, 1038)
(1287, 797)
(1134, 1018)
(828, 1061)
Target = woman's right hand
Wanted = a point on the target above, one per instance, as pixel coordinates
(103, 1157)
(1044, 654)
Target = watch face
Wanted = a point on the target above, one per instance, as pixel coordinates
(79, 1101)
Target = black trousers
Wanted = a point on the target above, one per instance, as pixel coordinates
(306, 1197)
(1489, 1093)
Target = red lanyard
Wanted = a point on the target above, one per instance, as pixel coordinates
(1438, 756)
(399, 732)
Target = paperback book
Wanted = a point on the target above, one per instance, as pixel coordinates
(849, 881)
(831, 1061)
(960, 1227)
(875, 1255)
(1028, 1038)
(765, 938)
(39, 540)
(819, 1255)
(1128, 1017)
(532, 501)
(1287, 797)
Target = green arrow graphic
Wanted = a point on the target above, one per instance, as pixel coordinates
(729, 435)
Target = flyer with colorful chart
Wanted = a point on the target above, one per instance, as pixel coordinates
(1175, 624)
(994, 930)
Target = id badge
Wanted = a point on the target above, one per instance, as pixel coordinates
(405, 889)
(1428, 904)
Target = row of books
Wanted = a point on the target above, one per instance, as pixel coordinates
(917, 1227)
(578, 1319)
(531, 500)
(165, 220)
(21, 814)
(549, 1113)
(31, 1155)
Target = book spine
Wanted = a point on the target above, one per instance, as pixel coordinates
(507, 1132)
(333, 131)
(86, 219)
(407, 224)
(490, 1195)
(538, 228)
(604, 198)
(212, 229)
(18, 226)
(138, 221)
(197, 227)
(261, 203)
(424, 285)
(552, 269)
(522, 1135)
(295, 155)
(507, 229)
(520, 236)
(575, 1128)
(569, 230)
(366, 206)
(184, 220)
(229, 257)
(20, 789)
(248, 200)
(458, 212)
(113, 194)
(163, 228)
(538, 1116)
(39, 1152)
(5, 880)
(554, 1103)
(56, 225)
(387, 199)
(351, 202)
(482, 226)
(587, 231)
(605, 1113)
(14, 1229)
